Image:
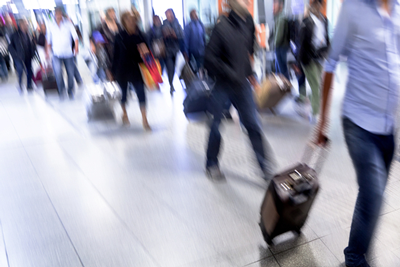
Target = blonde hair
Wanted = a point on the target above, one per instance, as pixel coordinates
(127, 14)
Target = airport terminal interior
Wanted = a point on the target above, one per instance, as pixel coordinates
(79, 193)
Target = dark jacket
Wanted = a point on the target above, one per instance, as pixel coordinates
(227, 53)
(195, 38)
(109, 37)
(16, 47)
(173, 45)
(307, 51)
(125, 65)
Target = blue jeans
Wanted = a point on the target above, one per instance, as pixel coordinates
(3, 68)
(242, 99)
(77, 75)
(70, 68)
(371, 155)
(281, 61)
(22, 67)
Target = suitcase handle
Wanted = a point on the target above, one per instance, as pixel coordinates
(315, 155)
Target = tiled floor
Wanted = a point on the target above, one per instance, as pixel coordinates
(79, 193)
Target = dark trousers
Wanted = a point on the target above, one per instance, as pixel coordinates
(372, 156)
(170, 64)
(124, 84)
(3, 68)
(242, 99)
(281, 61)
(22, 67)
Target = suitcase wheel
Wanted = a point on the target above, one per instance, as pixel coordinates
(298, 232)
(266, 236)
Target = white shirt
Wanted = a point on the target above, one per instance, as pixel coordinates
(60, 38)
(319, 34)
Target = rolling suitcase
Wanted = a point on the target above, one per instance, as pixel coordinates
(187, 75)
(49, 80)
(98, 105)
(197, 98)
(290, 196)
(272, 90)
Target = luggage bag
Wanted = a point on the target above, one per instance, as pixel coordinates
(290, 196)
(272, 90)
(49, 80)
(101, 100)
(198, 97)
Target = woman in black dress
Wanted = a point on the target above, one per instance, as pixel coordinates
(129, 48)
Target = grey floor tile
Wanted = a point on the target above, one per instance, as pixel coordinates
(214, 261)
(249, 254)
(388, 259)
(268, 262)
(313, 254)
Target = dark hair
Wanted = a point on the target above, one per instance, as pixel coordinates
(108, 10)
(172, 11)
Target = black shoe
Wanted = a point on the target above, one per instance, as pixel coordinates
(214, 173)
(172, 90)
(227, 116)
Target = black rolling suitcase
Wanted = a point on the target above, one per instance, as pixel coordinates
(49, 80)
(290, 196)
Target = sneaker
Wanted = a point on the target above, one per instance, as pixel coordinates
(214, 173)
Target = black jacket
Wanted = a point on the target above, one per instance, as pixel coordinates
(125, 65)
(227, 53)
(307, 51)
(16, 48)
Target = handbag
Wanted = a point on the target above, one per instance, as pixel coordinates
(158, 48)
(151, 72)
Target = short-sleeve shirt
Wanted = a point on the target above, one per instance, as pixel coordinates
(60, 37)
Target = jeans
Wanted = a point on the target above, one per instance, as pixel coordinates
(371, 155)
(242, 99)
(3, 68)
(22, 67)
(170, 64)
(301, 79)
(77, 75)
(70, 68)
(281, 61)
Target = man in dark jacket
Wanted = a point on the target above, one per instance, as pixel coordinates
(281, 38)
(228, 58)
(22, 49)
(173, 39)
(195, 41)
(314, 45)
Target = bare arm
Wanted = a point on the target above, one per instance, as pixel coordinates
(326, 90)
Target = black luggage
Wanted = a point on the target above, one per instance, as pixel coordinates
(49, 80)
(198, 97)
(290, 196)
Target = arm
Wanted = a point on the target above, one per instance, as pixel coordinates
(279, 31)
(340, 42)
(75, 38)
(187, 38)
(11, 47)
(115, 61)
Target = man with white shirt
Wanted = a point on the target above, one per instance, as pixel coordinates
(314, 45)
(367, 34)
(60, 36)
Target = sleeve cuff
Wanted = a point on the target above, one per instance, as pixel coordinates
(330, 65)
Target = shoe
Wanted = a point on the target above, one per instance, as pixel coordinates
(268, 175)
(71, 96)
(214, 173)
(227, 116)
(146, 125)
(125, 120)
(172, 90)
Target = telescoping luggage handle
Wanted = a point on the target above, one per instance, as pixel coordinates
(315, 155)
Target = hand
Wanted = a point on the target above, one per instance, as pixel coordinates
(76, 51)
(253, 81)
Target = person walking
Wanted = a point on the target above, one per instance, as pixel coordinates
(3, 54)
(314, 45)
(22, 50)
(129, 49)
(174, 42)
(59, 38)
(156, 42)
(227, 57)
(281, 38)
(369, 107)
(109, 29)
(195, 41)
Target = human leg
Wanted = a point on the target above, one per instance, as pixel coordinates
(313, 72)
(58, 75)
(371, 155)
(29, 74)
(123, 84)
(19, 67)
(70, 68)
(141, 95)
